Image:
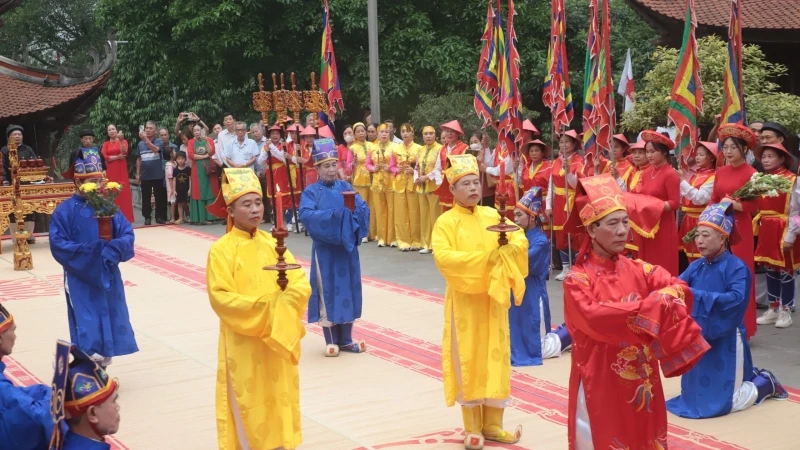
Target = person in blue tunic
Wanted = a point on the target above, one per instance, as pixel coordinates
(25, 419)
(336, 232)
(724, 380)
(529, 321)
(96, 308)
(87, 402)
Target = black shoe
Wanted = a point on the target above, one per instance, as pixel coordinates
(161, 222)
(147, 222)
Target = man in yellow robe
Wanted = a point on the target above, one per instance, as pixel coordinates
(258, 385)
(480, 276)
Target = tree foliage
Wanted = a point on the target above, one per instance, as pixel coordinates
(762, 99)
(53, 34)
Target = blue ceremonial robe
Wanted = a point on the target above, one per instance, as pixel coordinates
(335, 267)
(525, 321)
(73, 441)
(721, 289)
(25, 419)
(96, 307)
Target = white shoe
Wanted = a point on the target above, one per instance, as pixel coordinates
(364, 241)
(784, 318)
(563, 274)
(393, 244)
(769, 317)
(425, 251)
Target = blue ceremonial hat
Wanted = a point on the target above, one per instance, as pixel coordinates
(531, 201)
(77, 386)
(85, 163)
(719, 216)
(6, 319)
(324, 150)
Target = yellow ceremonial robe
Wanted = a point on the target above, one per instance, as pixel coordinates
(259, 342)
(480, 276)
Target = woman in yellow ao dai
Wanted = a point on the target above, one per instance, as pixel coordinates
(362, 178)
(378, 163)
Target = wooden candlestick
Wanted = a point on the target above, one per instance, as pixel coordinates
(502, 227)
(280, 234)
(349, 200)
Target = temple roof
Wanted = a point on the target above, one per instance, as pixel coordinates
(756, 15)
(26, 90)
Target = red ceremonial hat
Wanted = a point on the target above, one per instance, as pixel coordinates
(657, 138)
(308, 131)
(599, 196)
(737, 131)
(713, 148)
(325, 132)
(638, 145)
(623, 139)
(275, 127)
(788, 160)
(454, 126)
(573, 134)
(294, 128)
(547, 150)
(527, 125)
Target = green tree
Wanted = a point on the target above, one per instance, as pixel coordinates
(53, 34)
(762, 99)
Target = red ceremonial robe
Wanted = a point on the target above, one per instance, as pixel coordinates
(634, 184)
(727, 181)
(605, 167)
(537, 175)
(281, 175)
(664, 184)
(559, 177)
(691, 212)
(625, 317)
(443, 191)
(773, 223)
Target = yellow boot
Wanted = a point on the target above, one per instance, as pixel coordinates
(472, 427)
(493, 427)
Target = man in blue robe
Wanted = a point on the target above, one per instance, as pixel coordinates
(98, 314)
(724, 380)
(531, 320)
(87, 410)
(25, 419)
(337, 232)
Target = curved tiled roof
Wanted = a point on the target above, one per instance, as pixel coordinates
(23, 97)
(756, 14)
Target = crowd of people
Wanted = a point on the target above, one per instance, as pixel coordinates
(625, 213)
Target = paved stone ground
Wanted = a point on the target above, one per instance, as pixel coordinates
(777, 350)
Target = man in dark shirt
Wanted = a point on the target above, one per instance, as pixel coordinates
(23, 152)
(150, 154)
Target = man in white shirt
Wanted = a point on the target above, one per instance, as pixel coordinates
(390, 124)
(242, 152)
(225, 137)
(257, 135)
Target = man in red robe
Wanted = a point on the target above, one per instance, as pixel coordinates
(625, 317)
(452, 145)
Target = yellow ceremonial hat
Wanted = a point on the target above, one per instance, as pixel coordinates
(461, 165)
(235, 183)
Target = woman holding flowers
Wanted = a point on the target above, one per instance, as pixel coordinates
(777, 248)
(361, 149)
(205, 185)
(115, 152)
(736, 140)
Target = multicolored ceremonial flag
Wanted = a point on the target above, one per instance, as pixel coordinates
(605, 107)
(590, 87)
(626, 84)
(329, 80)
(486, 84)
(687, 91)
(510, 101)
(733, 110)
(557, 91)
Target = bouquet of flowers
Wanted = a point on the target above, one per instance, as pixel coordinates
(763, 184)
(101, 198)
